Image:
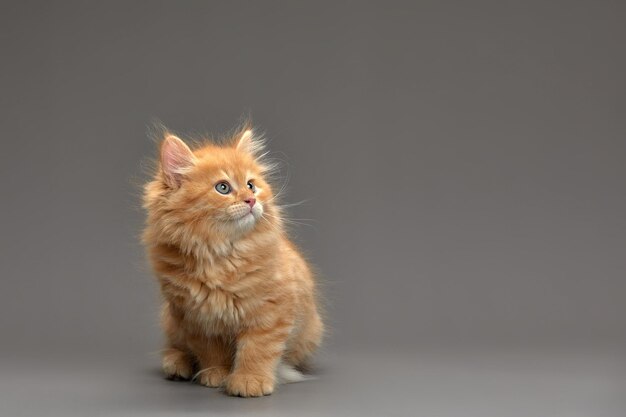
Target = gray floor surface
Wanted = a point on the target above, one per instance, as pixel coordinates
(482, 383)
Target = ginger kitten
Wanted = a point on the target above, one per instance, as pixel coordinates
(239, 300)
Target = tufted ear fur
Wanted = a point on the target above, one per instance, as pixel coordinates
(249, 143)
(176, 160)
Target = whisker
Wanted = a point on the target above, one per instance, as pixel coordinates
(289, 218)
(272, 225)
(298, 203)
(282, 188)
(291, 221)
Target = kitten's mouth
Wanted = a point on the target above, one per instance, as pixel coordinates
(245, 216)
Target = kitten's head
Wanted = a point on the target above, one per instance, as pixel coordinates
(215, 190)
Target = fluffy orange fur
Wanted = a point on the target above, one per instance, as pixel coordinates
(239, 300)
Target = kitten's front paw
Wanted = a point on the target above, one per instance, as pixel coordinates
(213, 377)
(176, 365)
(249, 385)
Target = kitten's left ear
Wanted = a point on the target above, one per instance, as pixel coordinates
(249, 143)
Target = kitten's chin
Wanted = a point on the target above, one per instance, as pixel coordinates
(245, 223)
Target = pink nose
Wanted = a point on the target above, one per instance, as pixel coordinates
(251, 201)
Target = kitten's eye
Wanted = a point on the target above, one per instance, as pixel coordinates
(252, 186)
(223, 187)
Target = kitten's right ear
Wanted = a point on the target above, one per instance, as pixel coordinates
(176, 160)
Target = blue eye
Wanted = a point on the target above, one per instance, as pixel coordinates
(251, 186)
(223, 187)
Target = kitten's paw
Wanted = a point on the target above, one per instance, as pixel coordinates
(213, 377)
(249, 385)
(176, 365)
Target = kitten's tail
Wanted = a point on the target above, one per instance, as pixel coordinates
(288, 374)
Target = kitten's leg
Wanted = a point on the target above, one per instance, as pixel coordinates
(258, 353)
(215, 359)
(305, 342)
(177, 363)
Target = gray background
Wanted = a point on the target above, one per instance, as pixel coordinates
(464, 169)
